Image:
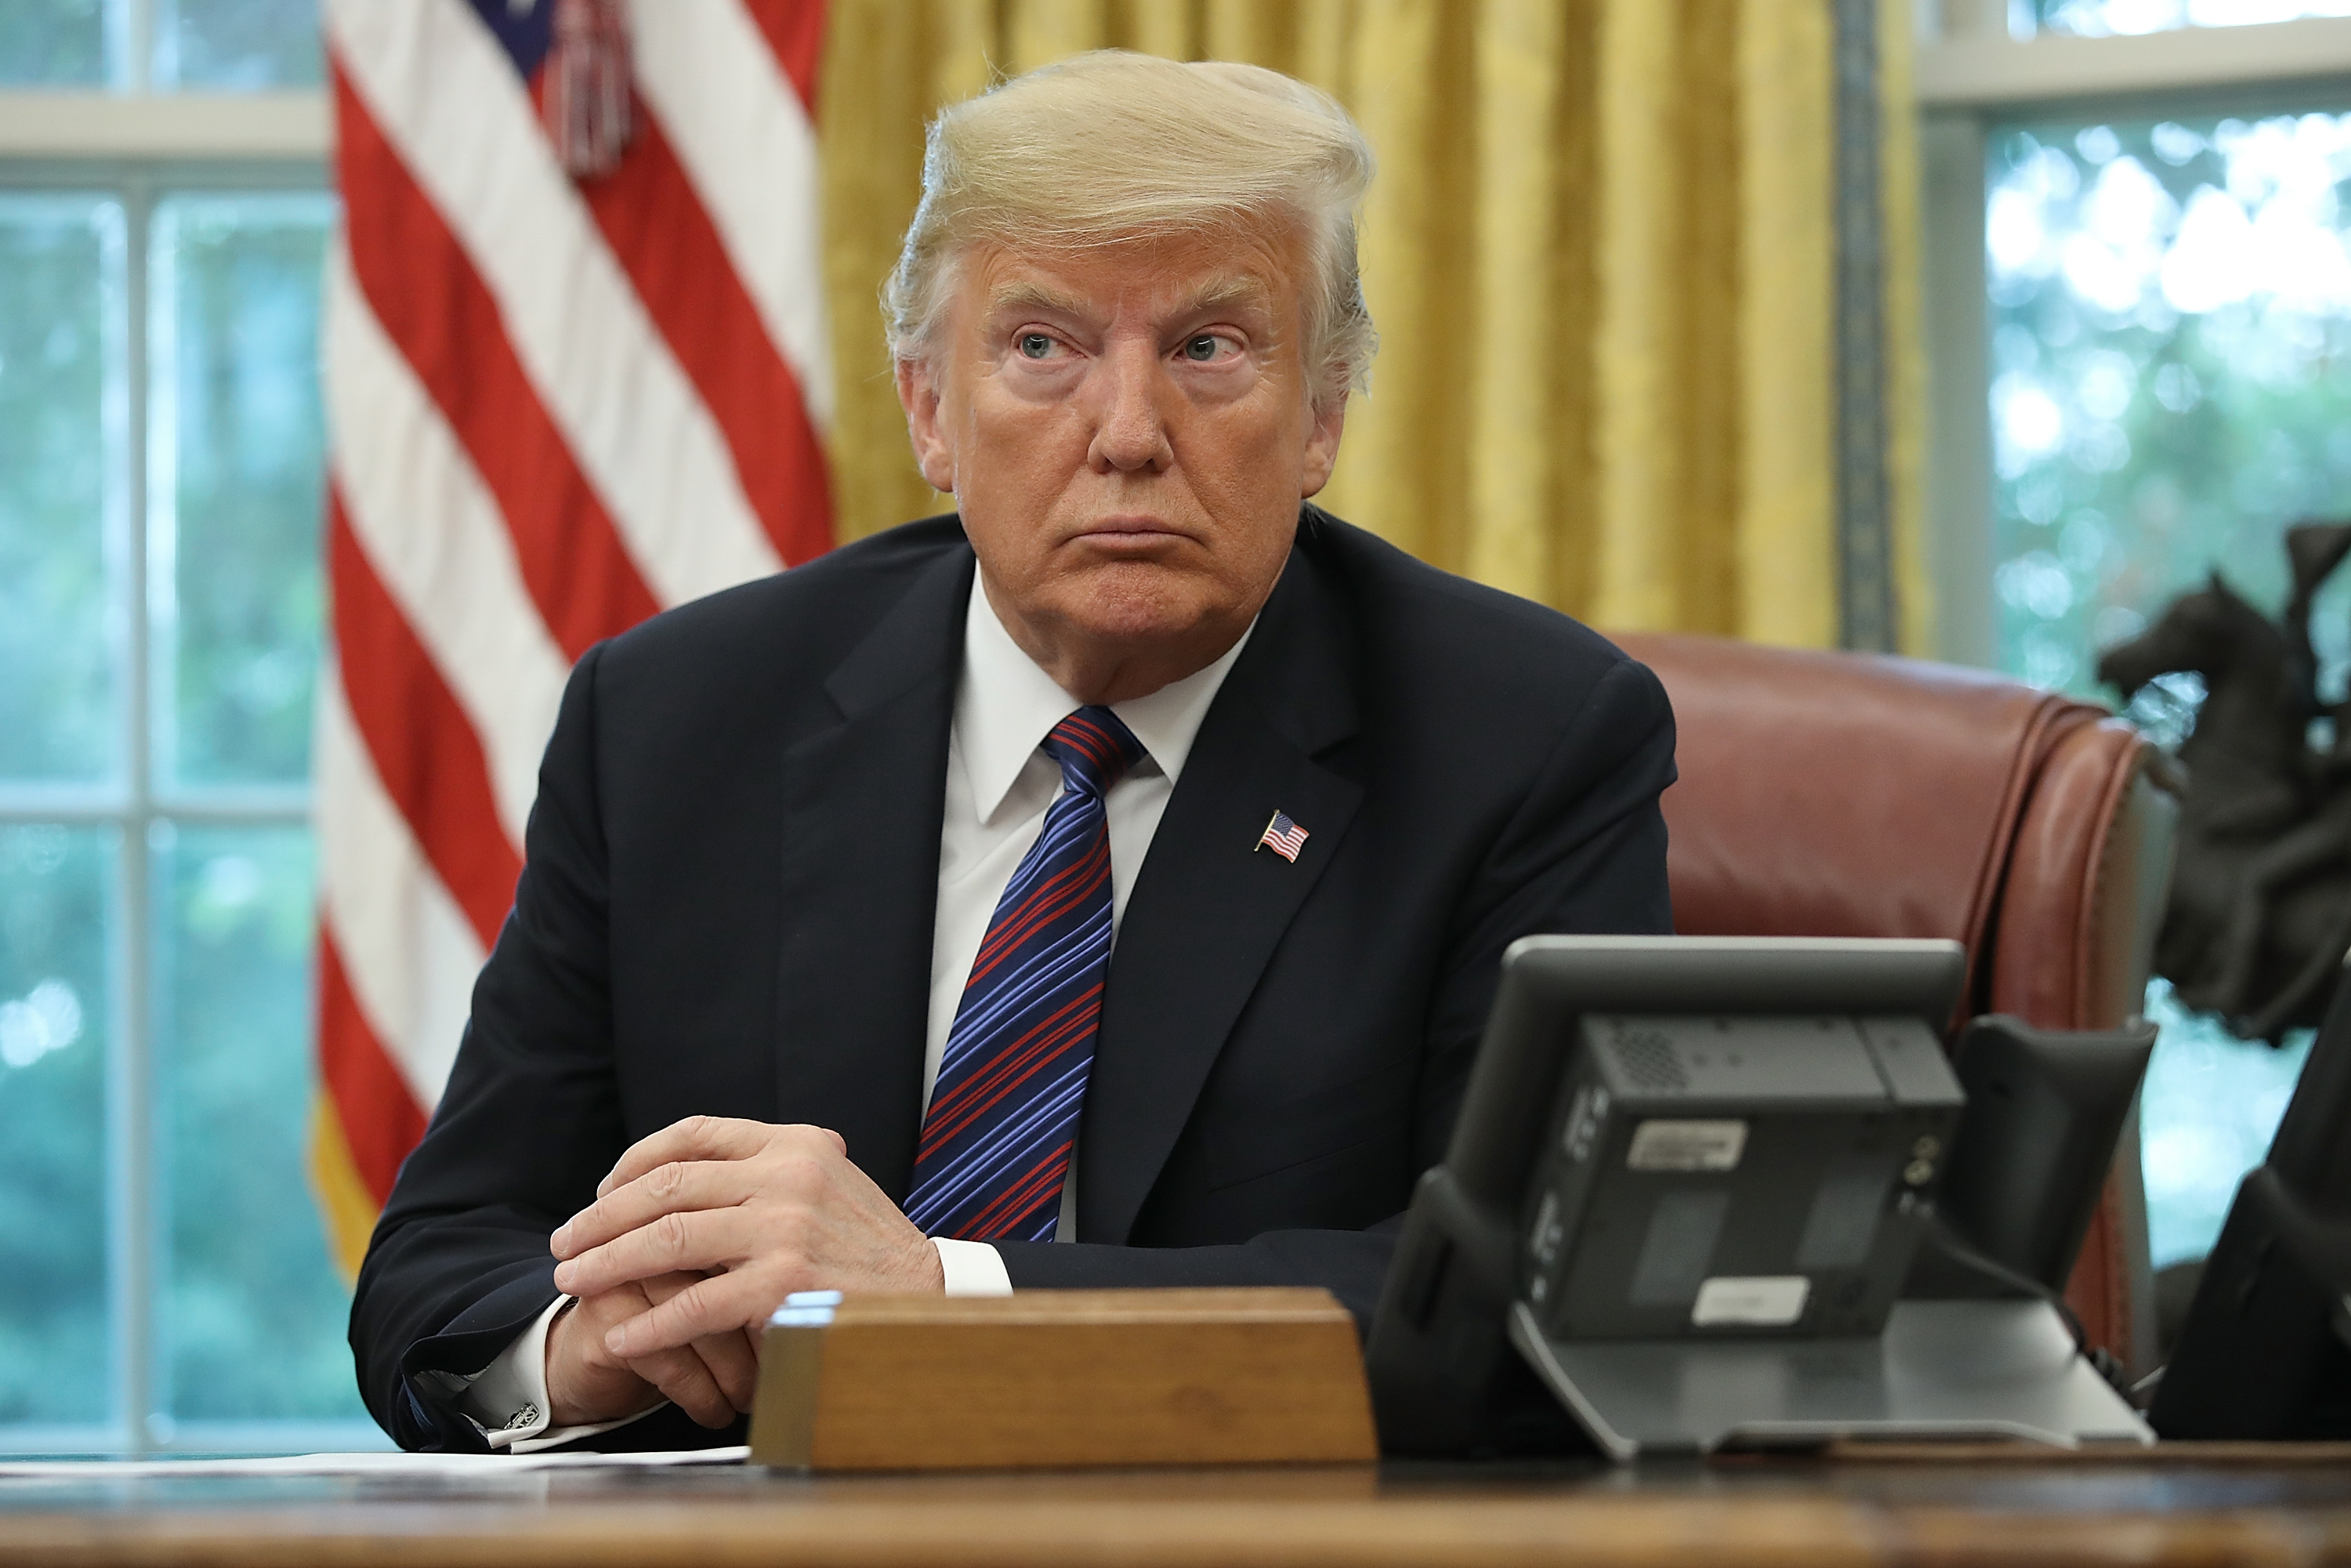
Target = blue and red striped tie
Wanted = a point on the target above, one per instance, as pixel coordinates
(1004, 1113)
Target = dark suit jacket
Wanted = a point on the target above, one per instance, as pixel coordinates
(727, 902)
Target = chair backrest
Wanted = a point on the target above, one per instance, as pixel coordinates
(1828, 794)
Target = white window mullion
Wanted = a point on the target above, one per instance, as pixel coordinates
(141, 1216)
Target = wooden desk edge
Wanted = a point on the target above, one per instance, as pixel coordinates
(963, 1533)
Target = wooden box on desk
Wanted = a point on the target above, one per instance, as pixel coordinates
(1055, 1378)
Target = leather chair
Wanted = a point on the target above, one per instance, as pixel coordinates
(1829, 794)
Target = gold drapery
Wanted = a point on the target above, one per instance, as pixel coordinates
(1600, 251)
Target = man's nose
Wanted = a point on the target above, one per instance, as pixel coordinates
(1130, 426)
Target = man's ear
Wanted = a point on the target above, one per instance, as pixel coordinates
(1326, 421)
(919, 394)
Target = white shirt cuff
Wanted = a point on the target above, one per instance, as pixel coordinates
(972, 1267)
(507, 1399)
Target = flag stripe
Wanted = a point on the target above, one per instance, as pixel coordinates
(345, 1203)
(357, 1072)
(650, 216)
(433, 306)
(409, 954)
(426, 755)
(457, 582)
(749, 143)
(446, 99)
(795, 33)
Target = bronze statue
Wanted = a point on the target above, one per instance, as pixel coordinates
(2260, 910)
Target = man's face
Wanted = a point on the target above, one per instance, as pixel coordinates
(1127, 435)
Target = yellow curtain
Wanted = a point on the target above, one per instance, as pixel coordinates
(1599, 250)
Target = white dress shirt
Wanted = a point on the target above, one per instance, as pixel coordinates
(998, 785)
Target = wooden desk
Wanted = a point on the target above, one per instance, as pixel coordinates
(2201, 1505)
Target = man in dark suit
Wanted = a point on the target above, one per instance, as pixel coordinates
(1102, 886)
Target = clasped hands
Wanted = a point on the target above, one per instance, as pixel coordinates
(697, 1235)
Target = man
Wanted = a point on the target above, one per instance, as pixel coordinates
(1102, 886)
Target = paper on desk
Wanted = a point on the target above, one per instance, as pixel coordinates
(360, 1465)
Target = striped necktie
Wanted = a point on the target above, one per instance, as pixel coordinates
(1004, 1113)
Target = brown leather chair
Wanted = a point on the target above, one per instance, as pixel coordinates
(1852, 795)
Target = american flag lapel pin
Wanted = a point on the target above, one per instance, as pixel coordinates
(1282, 836)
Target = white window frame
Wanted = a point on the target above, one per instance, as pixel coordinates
(1971, 74)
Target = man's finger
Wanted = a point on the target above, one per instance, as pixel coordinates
(723, 1303)
(703, 1241)
(662, 1287)
(683, 1376)
(692, 1138)
(733, 1358)
(697, 1242)
(733, 1365)
(680, 1186)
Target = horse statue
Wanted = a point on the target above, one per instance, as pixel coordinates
(2259, 916)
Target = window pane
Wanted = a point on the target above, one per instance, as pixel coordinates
(54, 911)
(255, 1320)
(2211, 1106)
(2102, 18)
(60, 397)
(237, 46)
(2171, 308)
(237, 438)
(2171, 302)
(52, 43)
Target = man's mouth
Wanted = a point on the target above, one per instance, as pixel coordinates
(1130, 534)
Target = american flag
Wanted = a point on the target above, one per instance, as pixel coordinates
(572, 377)
(1282, 836)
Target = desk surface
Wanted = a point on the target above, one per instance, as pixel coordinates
(2195, 1505)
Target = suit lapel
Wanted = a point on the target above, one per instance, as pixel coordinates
(863, 804)
(1208, 908)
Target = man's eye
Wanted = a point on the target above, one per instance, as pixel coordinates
(1035, 345)
(1202, 348)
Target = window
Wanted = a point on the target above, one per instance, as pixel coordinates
(2164, 272)
(2171, 301)
(2109, 19)
(167, 1283)
(165, 46)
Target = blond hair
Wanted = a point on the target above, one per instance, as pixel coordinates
(1111, 146)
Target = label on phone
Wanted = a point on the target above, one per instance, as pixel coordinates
(1676, 1145)
(1752, 1300)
